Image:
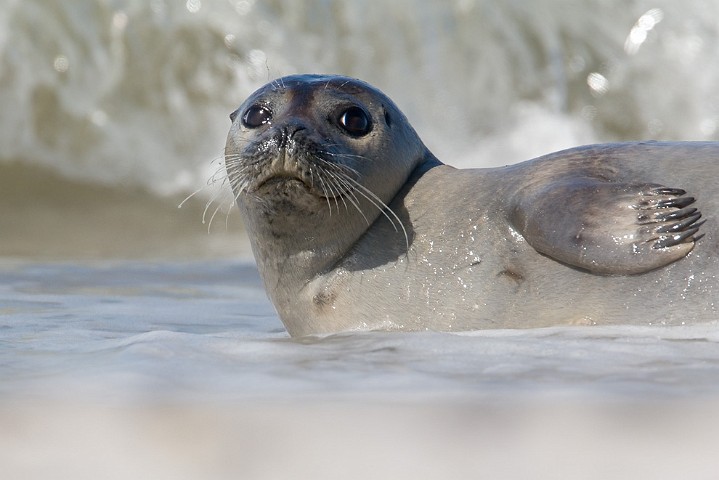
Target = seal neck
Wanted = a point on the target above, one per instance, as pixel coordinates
(294, 244)
(292, 248)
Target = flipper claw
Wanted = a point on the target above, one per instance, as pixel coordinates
(610, 228)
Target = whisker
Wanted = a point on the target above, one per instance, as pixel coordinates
(210, 181)
(384, 209)
(353, 197)
(214, 178)
(326, 194)
(190, 196)
(337, 181)
(209, 224)
(334, 191)
(229, 211)
(344, 155)
(218, 180)
(337, 190)
(371, 197)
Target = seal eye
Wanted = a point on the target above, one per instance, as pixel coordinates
(355, 121)
(256, 116)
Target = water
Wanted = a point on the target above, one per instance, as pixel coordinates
(126, 331)
(133, 344)
(182, 370)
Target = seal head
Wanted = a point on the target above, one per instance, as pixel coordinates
(313, 161)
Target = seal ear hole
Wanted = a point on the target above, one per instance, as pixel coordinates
(387, 118)
(233, 115)
(355, 121)
(256, 116)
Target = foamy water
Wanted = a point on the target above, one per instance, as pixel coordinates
(129, 330)
(182, 370)
(174, 364)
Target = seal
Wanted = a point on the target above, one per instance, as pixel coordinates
(356, 225)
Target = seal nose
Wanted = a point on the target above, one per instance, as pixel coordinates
(287, 133)
(292, 129)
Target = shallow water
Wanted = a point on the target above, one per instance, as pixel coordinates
(183, 369)
(161, 331)
(135, 345)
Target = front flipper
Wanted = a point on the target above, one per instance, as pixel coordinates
(608, 228)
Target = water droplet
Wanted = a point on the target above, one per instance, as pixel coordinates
(638, 34)
(257, 57)
(61, 64)
(193, 6)
(598, 83)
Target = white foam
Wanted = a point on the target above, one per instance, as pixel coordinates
(138, 94)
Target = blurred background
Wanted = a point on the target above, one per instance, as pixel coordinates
(149, 351)
(114, 111)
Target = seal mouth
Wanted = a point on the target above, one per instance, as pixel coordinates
(303, 171)
(317, 185)
(281, 180)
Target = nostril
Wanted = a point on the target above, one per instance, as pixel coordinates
(287, 134)
(291, 130)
